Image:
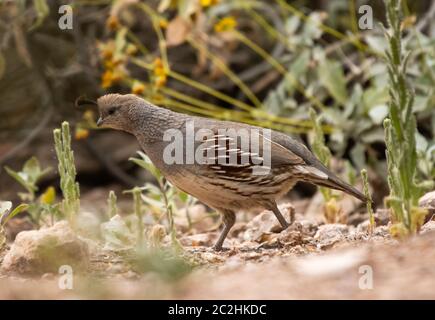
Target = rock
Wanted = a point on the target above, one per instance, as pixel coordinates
(329, 234)
(44, 251)
(266, 222)
(428, 227)
(314, 210)
(88, 224)
(299, 232)
(16, 225)
(331, 264)
(201, 239)
(428, 202)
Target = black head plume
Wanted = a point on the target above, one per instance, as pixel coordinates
(83, 101)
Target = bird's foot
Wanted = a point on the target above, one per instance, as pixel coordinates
(220, 248)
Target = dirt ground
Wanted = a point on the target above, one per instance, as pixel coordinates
(309, 260)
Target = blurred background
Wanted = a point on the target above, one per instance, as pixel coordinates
(261, 62)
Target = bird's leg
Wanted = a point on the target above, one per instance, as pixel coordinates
(279, 216)
(229, 218)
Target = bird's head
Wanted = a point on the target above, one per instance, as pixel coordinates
(117, 111)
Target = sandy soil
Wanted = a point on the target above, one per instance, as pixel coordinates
(304, 262)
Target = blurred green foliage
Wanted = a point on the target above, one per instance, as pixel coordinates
(400, 134)
(260, 62)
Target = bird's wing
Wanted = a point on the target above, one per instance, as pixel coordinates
(237, 154)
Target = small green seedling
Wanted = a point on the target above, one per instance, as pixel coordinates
(138, 211)
(369, 200)
(332, 209)
(67, 171)
(400, 131)
(6, 213)
(163, 195)
(28, 177)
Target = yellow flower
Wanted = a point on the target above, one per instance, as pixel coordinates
(112, 23)
(88, 116)
(159, 69)
(160, 82)
(106, 50)
(163, 23)
(332, 211)
(109, 65)
(160, 74)
(48, 196)
(208, 3)
(225, 24)
(408, 22)
(131, 49)
(81, 133)
(109, 78)
(106, 79)
(138, 88)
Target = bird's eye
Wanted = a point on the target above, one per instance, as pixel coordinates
(112, 110)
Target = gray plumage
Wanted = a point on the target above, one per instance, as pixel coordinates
(228, 188)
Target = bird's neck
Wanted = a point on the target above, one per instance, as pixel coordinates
(150, 123)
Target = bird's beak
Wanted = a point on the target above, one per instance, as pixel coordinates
(99, 122)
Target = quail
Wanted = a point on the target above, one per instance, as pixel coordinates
(227, 186)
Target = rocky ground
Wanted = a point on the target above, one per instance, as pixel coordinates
(308, 260)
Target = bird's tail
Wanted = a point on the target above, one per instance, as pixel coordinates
(330, 180)
(338, 184)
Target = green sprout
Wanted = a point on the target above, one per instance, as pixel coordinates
(6, 213)
(28, 177)
(320, 149)
(136, 192)
(369, 200)
(400, 131)
(111, 203)
(67, 171)
(163, 194)
(332, 209)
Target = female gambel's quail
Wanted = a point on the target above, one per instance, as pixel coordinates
(228, 186)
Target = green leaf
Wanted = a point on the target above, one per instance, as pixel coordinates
(32, 169)
(146, 163)
(120, 40)
(21, 179)
(42, 11)
(6, 217)
(331, 76)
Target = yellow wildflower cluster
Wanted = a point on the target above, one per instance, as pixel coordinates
(208, 3)
(160, 74)
(81, 133)
(82, 128)
(163, 23)
(114, 61)
(138, 88)
(112, 23)
(225, 24)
